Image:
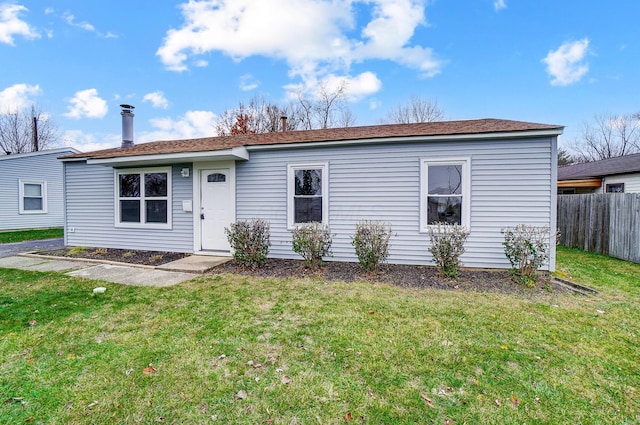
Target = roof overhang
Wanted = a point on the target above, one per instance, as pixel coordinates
(580, 183)
(239, 153)
(435, 138)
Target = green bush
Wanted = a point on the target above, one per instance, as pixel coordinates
(250, 241)
(447, 245)
(527, 248)
(313, 242)
(371, 242)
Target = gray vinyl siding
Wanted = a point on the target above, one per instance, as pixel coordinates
(510, 184)
(90, 212)
(35, 167)
(631, 182)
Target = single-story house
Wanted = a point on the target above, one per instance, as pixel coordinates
(31, 194)
(179, 195)
(613, 175)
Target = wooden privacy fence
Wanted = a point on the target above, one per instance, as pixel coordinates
(606, 223)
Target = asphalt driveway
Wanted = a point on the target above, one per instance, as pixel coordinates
(11, 249)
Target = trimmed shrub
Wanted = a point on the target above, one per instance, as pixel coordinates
(371, 242)
(313, 242)
(447, 245)
(250, 241)
(527, 248)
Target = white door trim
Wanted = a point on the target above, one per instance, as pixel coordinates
(197, 225)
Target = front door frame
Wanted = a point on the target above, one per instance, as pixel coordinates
(197, 224)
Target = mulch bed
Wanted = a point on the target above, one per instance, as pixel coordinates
(479, 280)
(149, 258)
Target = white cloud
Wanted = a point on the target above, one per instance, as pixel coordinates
(157, 99)
(356, 87)
(18, 96)
(88, 142)
(191, 125)
(566, 64)
(70, 19)
(87, 104)
(11, 24)
(315, 37)
(499, 5)
(248, 83)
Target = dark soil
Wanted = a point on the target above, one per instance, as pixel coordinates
(479, 280)
(149, 258)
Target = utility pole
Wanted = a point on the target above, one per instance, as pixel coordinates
(35, 129)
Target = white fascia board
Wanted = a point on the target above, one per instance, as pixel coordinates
(441, 138)
(42, 152)
(235, 154)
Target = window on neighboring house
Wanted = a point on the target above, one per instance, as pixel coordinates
(307, 187)
(143, 198)
(445, 192)
(33, 197)
(615, 188)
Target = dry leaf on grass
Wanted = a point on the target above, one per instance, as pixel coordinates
(149, 369)
(427, 400)
(285, 379)
(515, 400)
(347, 417)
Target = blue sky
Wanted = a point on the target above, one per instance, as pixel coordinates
(180, 63)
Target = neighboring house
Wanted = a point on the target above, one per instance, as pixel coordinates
(180, 195)
(31, 194)
(618, 175)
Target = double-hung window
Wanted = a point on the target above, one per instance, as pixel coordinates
(307, 188)
(445, 188)
(143, 198)
(33, 197)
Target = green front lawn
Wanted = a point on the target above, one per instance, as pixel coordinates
(30, 235)
(231, 349)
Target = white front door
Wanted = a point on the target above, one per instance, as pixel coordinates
(216, 210)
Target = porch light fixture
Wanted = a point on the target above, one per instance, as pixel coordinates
(184, 172)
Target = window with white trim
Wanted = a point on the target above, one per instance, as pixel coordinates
(143, 198)
(445, 192)
(307, 189)
(33, 196)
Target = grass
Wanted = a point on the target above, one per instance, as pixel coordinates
(232, 349)
(30, 235)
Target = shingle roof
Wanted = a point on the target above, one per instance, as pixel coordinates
(605, 167)
(441, 128)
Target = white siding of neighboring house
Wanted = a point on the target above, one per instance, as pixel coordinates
(631, 182)
(90, 212)
(36, 166)
(512, 182)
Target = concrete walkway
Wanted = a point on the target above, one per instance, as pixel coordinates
(166, 275)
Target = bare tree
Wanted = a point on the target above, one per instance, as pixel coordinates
(26, 130)
(258, 116)
(416, 110)
(609, 136)
(326, 108)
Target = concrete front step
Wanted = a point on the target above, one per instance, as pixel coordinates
(194, 264)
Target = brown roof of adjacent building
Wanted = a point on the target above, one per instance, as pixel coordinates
(441, 128)
(604, 167)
